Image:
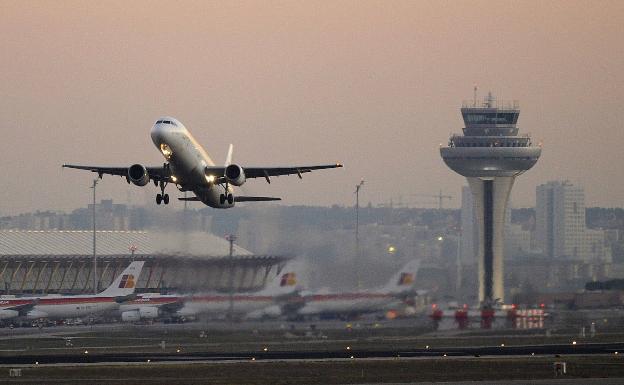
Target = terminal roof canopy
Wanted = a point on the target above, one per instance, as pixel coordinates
(63, 243)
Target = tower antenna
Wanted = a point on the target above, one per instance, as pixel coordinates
(474, 100)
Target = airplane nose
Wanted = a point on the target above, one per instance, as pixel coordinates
(157, 132)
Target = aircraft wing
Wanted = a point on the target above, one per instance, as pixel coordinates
(23, 308)
(267, 172)
(155, 173)
(172, 307)
(237, 199)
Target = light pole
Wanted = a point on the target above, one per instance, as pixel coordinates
(95, 288)
(132, 249)
(357, 234)
(458, 283)
(231, 238)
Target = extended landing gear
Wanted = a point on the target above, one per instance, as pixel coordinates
(162, 197)
(229, 198)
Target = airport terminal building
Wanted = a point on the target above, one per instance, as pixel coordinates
(46, 262)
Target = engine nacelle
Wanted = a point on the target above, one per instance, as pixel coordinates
(130, 316)
(235, 175)
(6, 314)
(137, 174)
(148, 312)
(36, 314)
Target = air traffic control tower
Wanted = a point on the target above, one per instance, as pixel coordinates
(490, 154)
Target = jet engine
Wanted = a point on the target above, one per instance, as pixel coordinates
(148, 312)
(36, 314)
(235, 175)
(7, 313)
(137, 174)
(130, 316)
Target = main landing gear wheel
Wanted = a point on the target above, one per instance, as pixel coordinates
(229, 198)
(162, 198)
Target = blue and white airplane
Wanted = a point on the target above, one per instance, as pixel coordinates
(189, 167)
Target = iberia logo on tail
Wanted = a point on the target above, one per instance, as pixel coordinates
(127, 281)
(288, 279)
(406, 279)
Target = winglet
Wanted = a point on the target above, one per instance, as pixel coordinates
(228, 158)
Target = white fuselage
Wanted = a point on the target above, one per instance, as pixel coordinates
(218, 305)
(187, 161)
(348, 303)
(62, 307)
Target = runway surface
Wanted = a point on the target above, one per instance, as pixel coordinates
(490, 351)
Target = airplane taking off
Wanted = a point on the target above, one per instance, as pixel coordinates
(389, 297)
(189, 167)
(73, 306)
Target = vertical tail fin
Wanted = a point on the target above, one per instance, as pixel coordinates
(282, 282)
(228, 158)
(125, 283)
(405, 278)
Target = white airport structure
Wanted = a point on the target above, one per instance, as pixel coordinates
(490, 154)
(61, 262)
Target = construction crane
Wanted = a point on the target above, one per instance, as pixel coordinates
(440, 197)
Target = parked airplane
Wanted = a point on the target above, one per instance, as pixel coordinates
(389, 297)
(267, 302)
(190, 168)
(73, 306)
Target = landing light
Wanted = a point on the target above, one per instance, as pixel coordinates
(174, 179)
(166, 150)
(210, 178)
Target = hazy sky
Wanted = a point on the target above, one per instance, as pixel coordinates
(375, 85)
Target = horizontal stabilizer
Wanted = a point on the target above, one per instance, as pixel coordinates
(255, 199)
(189, 199)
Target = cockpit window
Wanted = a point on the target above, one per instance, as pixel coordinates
(167, 122)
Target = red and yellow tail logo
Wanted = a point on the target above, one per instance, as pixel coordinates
(288, 279)
(406, 279)
(127, 282)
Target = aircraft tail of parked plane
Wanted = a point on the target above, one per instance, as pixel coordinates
(404, 279)
(125, 283)
(282, 283)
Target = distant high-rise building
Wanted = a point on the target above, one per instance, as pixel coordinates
(560, 219)
(560, 230)
(490, 154)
